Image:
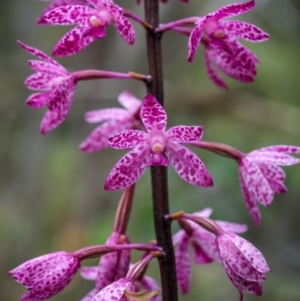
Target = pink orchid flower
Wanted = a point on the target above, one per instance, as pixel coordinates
(244, 264)
(115, 120)
(112, 267)
(220, 40)
(149, 284)
(91, 24)
(261, 178)
(58, 88)
(163, 1)
(46, 275)
(203, 244)
(156, 148)
(58, 3)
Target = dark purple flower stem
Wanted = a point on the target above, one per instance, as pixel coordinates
(159, 173)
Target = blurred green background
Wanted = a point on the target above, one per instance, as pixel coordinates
(52, 194)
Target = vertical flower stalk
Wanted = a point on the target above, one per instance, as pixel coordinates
(159, 173)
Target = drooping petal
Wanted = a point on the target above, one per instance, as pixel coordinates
(39, 81)
(98, 139)
(153, 114)
(38, 100)
(255, 182)
(40, 54)
(52, 119)
(195, 39)
(250, 201)
(128, 139)
(184, 134)
(212, 73)
(272, 157)
(188, 166)
(90, 295)
(200, 256)
(233, 10)
(183, 264)
(125, 29)
(69, 14)
(129, 168)
(105, 114)
(246, 31)
(129, 101)
(77, 39)
(206, 212)
(177, 237)
(149, 284)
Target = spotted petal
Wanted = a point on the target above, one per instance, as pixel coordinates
(290, 149)
(128, 139)
(89, 273)
(232, 227)
(188, 166)
(39, 81)
(68, 15)
(272, 157)
(46, 67)
(125, 29)
(129, 101)
(38, 100)
(246, 31)
(153, 114)
(40, 54)
(184, 134)
(98, 139)
(233, 10)
(183, 264)
(129, 168)
(250, 200)
(255, 182)
(195, 39)
(77, 39)
(105, 114)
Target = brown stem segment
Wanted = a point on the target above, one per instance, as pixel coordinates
(159, 173)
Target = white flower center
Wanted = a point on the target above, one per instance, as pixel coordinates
(103, 18)
(157, 144)
(213, 29)
(55, 81)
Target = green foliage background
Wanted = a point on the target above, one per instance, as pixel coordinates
(51, 194)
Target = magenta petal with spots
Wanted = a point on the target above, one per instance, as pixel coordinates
(129, 168)
(58, 86)
(128, 139)
(185, 134)
(153, 114)
(243, 262)
(188, 166)
(46, 275)
(261, 178)
(149, 284)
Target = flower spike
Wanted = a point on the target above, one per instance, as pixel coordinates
(157, 148)
(91, 24)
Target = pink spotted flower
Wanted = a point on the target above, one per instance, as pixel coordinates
(220, 36)
(114, 120)
(46, 275)
(202, 242)
(261, 177)
(56, 84)
(244, 264)
(112, 267)
(91, 24)
(156, 147)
